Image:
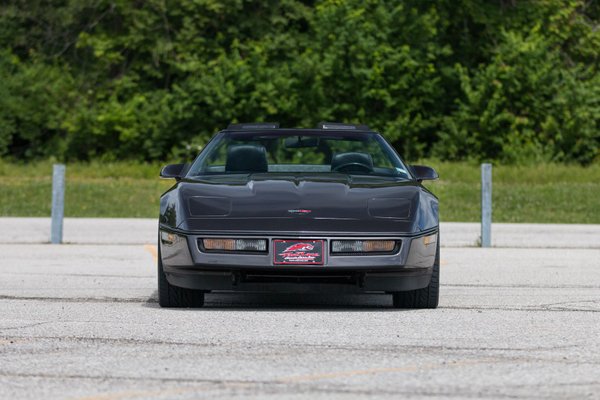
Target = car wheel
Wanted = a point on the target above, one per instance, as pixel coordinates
(173, 296)
(427, 297)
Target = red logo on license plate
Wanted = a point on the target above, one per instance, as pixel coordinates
(299, 252)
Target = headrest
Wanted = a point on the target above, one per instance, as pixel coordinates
(351, 159)
(246, 158)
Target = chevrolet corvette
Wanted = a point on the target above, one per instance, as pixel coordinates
(268, 209)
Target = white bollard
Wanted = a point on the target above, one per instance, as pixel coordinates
(486, 205)
(58, 203)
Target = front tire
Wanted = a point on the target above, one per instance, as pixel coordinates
(173, 296)
(428, 297)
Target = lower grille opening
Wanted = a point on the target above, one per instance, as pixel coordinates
(347, 278)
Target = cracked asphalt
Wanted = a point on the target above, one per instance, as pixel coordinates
(82, 322)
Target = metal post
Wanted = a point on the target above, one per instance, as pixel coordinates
(58, 203)
(486, 205)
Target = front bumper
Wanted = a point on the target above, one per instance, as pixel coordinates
(186, 265)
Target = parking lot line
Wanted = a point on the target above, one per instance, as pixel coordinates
(152, 249)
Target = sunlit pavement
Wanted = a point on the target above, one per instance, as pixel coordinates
(144, 231)
(82, 322)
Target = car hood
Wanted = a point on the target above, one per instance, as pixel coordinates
(295, 204)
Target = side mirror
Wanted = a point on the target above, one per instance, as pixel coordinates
(172, 171)
(423, 173)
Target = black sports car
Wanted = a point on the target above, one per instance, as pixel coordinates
(294, 210)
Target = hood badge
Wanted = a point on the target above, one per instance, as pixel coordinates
(299, 211)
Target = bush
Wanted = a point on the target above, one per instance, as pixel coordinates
(514, 81)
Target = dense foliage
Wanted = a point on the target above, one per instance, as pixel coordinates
(507, 80)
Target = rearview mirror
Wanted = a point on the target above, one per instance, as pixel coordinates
(298, 142)
(172, 171)
(424, 173)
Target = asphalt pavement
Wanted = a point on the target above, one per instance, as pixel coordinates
(81, 322)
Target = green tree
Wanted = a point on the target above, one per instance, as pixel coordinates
(508, 80)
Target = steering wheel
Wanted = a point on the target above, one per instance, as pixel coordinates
(352, 166)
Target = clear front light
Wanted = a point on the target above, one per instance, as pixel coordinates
(363, 246)
(431, 239)
(168, 238)
(235, 244)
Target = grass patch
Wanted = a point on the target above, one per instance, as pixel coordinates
(547, 193)
(95, 189)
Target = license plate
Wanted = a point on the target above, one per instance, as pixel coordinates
(298, 252)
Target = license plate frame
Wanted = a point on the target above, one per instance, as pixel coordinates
(298, 252)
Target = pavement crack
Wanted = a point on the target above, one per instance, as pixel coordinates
(125, 378)
(79, 299)
(521, 309)
(520, 286)
(115, 341)
(80, 275)
(24, 326)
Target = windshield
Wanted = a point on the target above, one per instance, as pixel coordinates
(294, 152)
